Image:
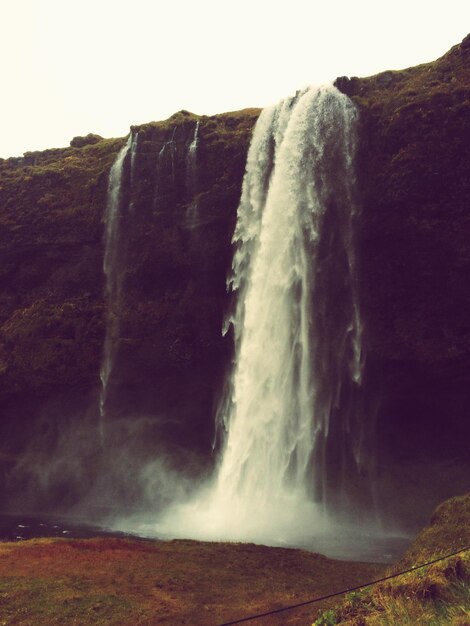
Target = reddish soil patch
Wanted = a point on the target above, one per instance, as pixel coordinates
(110, 581)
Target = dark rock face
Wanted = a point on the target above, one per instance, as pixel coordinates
(51, 281)
(415, 260)
(414, 249)
(171, 356)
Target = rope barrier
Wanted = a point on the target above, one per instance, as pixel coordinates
(339, 593)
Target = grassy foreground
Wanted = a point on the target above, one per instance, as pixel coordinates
(436, 595)
(110, 581)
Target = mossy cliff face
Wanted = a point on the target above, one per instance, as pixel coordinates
(177, 226)
(413, 174)
(51, 279)
(414, 183)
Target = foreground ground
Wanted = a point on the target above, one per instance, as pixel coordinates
(110, 582)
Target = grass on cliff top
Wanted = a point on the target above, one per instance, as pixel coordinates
(432, 596)
(58, 159)
(449, 73)
(181, 117)
(129, 582)
(233, 126)
(43, 192)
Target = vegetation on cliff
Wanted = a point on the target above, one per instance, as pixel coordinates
(51, 207)
(435, 595)
(414, 164)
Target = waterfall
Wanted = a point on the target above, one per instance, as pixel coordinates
(113, 267)
(165, 169)
(286, 382)
(191, 177)
(290, 418)
(133, 152)
(134, 148)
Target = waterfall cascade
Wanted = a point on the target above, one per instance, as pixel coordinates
(114, 266)
(289, 423)
(295, 351)
(191, 177)
(165, 168)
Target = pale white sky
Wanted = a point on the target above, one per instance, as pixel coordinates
(70, 67)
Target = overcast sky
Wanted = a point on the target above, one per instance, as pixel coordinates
(70, 67)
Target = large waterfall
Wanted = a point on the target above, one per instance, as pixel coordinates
(288, 423)
(277, 407)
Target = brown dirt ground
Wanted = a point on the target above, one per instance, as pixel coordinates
(108, 581)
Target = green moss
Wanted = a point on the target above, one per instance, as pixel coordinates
(59, 601)
(434, 595)
(43, 341)
(415, 191)
(448, 531)
(91, 138)
(49, 196)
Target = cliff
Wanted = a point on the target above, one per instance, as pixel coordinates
(414, 264)
(415, 261)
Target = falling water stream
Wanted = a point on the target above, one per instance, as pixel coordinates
(191, 178)
(113, 267)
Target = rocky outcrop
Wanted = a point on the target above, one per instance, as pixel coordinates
(87, 140)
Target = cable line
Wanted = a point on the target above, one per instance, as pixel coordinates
(339, 593)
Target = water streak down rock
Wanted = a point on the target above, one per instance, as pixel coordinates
(113, 267)
(191, 178)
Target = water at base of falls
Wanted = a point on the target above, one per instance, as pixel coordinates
(348, 543)
(298, 338)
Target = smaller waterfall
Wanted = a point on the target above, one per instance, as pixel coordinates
(191, 178)
(133, 150)
(192, 152)
(113, 267)
(165, 169)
